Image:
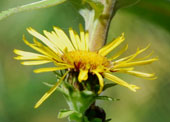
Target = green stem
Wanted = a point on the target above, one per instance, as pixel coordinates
(98, 36)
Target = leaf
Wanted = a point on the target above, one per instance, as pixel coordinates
(85, 119)
(124, 3)
(51, 85)
(90, 15)
(106, 86)
(97, 6)
(48, 84)
(31, 6)
(76, 117)
(106, 98)
(96, 120)
(65, 113)
(78, 100)
(108, 120)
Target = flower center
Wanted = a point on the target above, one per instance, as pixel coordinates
(86, 60)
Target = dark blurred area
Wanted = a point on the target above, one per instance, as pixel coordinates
(146, 22)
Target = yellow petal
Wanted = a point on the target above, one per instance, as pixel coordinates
(122, 59)
(131, 57)
(119, 53)
(136, 63)
(54, 39)
(108, 48)
(50, 69)
(87, 40)
(64, 39)
(47, 94)
(43, 49)
(82, 37)
(24, 55)
(148, 76)
(137, 53)
(30, 58)
(73, 38)
(63, 64)
(122, 69)
(83, 75)
(101, 82)
(80, 44)
(120, 82)
(34, 62)
(143, 58)
(43, 39)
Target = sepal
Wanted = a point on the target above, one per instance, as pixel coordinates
(106, 98)
(78, 100)
(65, 113)
(109, 85)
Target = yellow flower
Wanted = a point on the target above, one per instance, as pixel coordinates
(73, 54)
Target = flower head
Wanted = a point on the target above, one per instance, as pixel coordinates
(73, 54)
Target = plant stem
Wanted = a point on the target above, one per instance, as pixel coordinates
(99, 33)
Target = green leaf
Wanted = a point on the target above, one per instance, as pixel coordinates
(31, 6)
(97, 6)
(78, 117)
(65, 113)
(108, 120)
(78, 100)
(124, 3)
(106, 86)
(96, 120)
(48, 84)
(85, 119)
(51, 85)
(106, 98)
(91, 14)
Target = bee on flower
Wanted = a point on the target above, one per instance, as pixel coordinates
(72, 54)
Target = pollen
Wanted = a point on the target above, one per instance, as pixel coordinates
(86, 60)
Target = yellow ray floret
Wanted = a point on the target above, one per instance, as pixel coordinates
(120, 82)
(101, 81)
(50, 69)
(47, 94)
(71, 53)
(108, 48)
(35, 62)
(83, 75)
(119, 53)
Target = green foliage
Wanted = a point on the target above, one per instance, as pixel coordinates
(108, 120)
(96, 120)
(31, 6)
(78, 100)
(106, 98)
(155, 11)
(89, 10)
(65, 113)
(124, 3)
(97, 6)
(109, 85)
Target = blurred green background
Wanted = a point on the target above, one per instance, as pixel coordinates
(146, 22)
